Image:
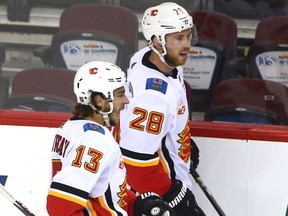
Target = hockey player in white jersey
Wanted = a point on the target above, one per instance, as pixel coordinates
(155, 136)
(89, 176)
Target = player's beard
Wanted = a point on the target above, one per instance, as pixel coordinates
(112, 117)
(112, 122)
(175, 61)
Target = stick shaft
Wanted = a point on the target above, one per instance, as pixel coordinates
(206, 191)
(15, 202)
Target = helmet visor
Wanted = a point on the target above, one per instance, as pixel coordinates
(128, 90)
(194, 35)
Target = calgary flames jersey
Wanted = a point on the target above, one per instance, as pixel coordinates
(155, 136)
(89, 176)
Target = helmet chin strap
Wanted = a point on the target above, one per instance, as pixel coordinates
(105, 114)
(161, 55)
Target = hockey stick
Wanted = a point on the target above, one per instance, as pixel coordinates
(15, 202)
(206, 191)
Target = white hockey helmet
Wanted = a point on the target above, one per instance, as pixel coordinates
(164, 19)
(97, 76)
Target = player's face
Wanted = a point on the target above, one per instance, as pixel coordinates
(119, 102)
(178, 46)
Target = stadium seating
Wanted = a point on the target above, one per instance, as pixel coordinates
(92, 32)
(2, 55)
(19, 10)
(142, 5)
(217, 28)
(248, 100)
(217, 34)
(65, 3)
(268, 57)
(42, 89)
(4, 79)
(272, 30)
(4, 89)
(258, 9)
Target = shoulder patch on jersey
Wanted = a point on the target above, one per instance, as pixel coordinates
(157, 85)
(93, 127)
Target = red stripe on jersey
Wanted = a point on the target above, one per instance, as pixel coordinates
(57, 206)
(147, 179)
(56, 167)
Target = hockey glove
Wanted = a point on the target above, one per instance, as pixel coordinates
(182, 200)
(194, 154)
(151, 204)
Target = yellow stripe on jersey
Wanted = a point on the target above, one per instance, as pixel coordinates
(67, 197)
(163, 162)
(91, 209)
(103, 203)
(139, 163)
